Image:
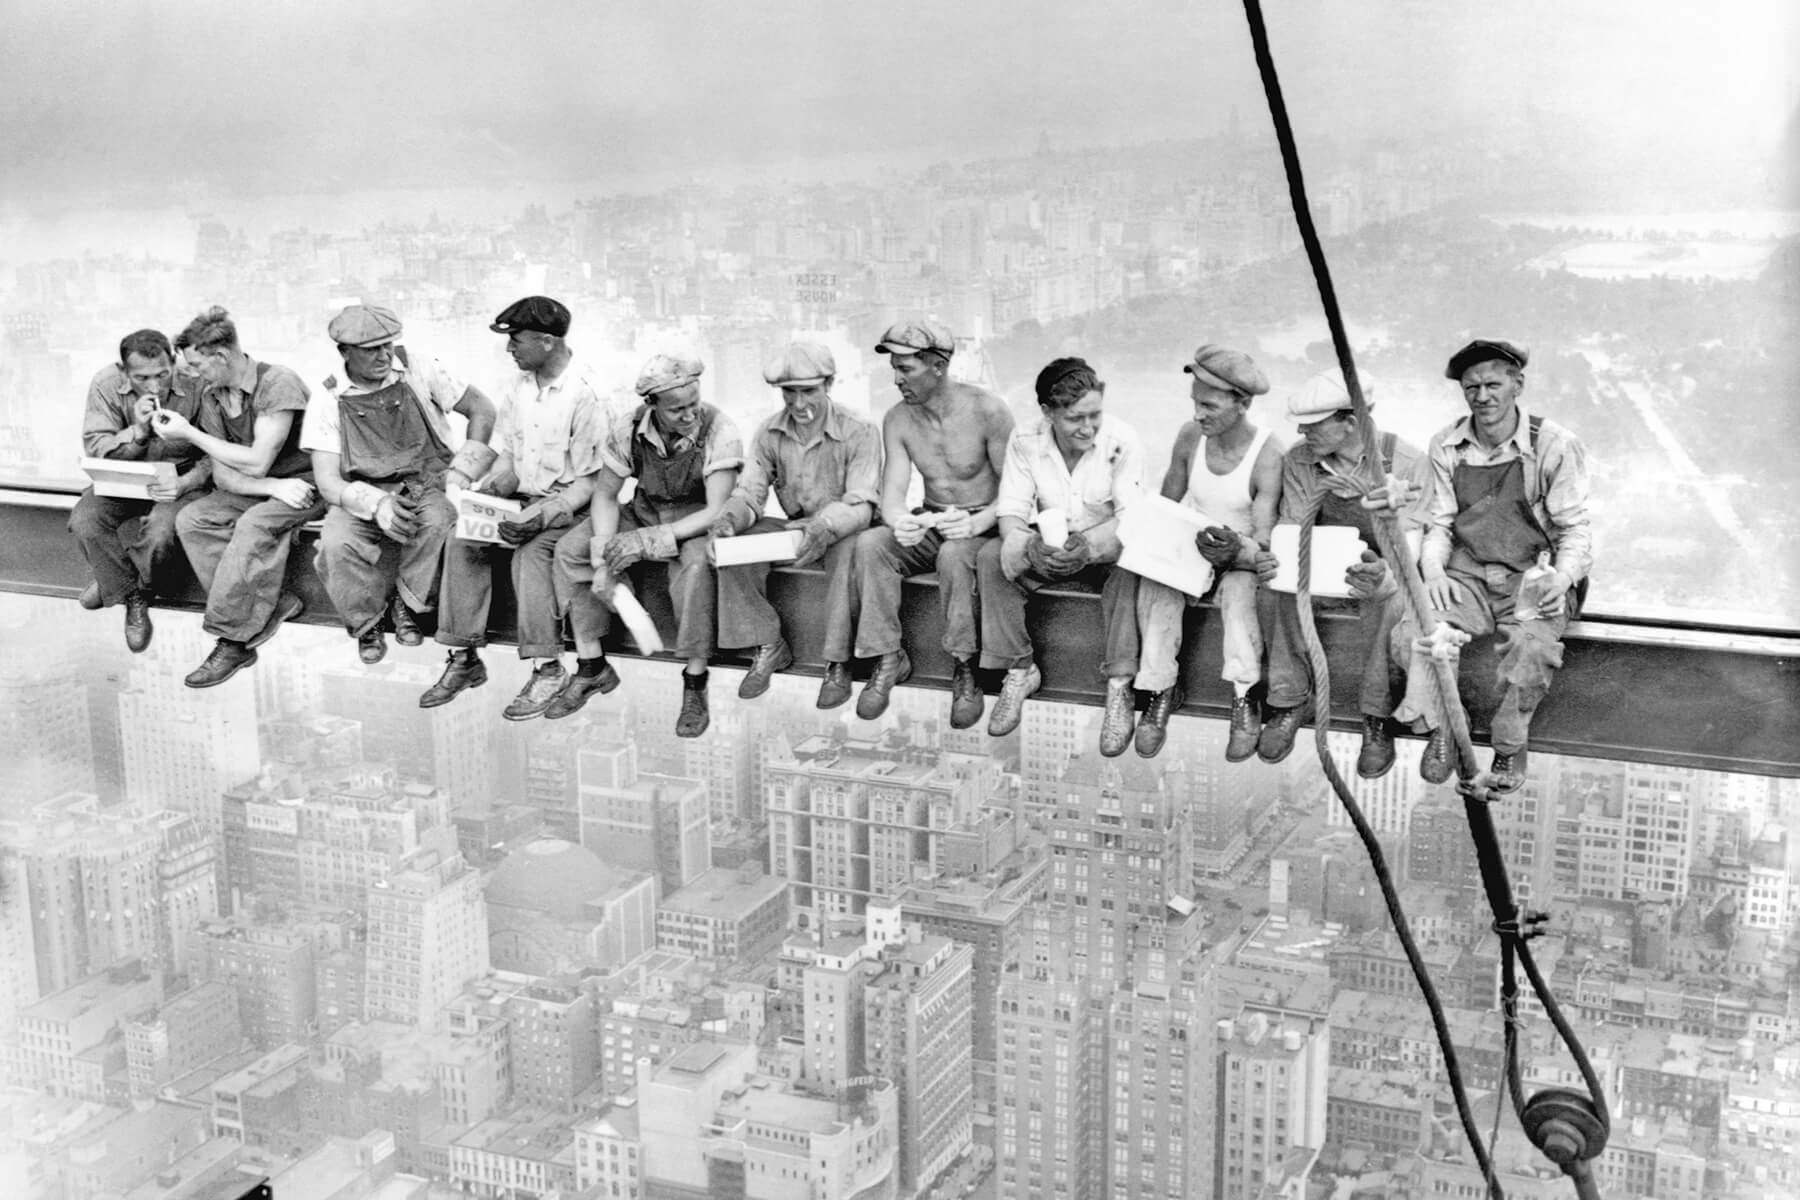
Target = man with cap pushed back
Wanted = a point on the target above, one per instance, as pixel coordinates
(1087, 466)
(1227, 468)
(824, 465)
(1321, 468)
(380, 445)
(122, 400)
(237, 537)
(955, 434)
(547, 440)
(1508, 490)
(685, 457)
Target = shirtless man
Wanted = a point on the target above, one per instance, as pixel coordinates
(955, 435)
(1227, 468)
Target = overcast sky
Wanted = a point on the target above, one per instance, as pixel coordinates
(100, 96)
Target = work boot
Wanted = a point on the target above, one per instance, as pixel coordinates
(1434, 764)
(1119, 719)
(464, 669)
(1376, 758)
(769, 659)
(1507, 772)
(592, 677)
(227, 659)
(1020, 683)
(371, 646)
(538, 692)
(286, 609)
(90, 597)
(890, 670)
(406, 626)
(694, 716)
(1153, 730)
(1279, 728)
(834, 689)
(1246, 728)
(137, 621)
(966, 700)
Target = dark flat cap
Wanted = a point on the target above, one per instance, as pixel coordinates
(533, 314)
(1484, 350)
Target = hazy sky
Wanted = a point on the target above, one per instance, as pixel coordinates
(123, 97)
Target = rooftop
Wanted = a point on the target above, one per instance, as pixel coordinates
(721, 893)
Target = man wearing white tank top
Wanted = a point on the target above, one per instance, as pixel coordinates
(1227, 468)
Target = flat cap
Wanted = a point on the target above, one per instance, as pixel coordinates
(666, 371)
(1325, 394)
(533, 314)
(364, 325)
(916, 337)
(800, 364)
(1224, 367)
(1484, 350)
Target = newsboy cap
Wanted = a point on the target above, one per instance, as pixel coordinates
(1325, 394)
(364, 326)
(1485, 350)
(533, 314)
(916, 337)
(1231, 369)
(800, 364)
(666, 371)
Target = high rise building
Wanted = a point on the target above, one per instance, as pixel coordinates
(271, 970)
(1271, 1097)
(43, 717)
(447, 746)
(555, 1045)
(642, 820)
(427, 937)
(917, 1032)
(184, 1033)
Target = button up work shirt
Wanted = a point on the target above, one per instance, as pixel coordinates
(554, 432)
(1104, 482)
(106, 426)
(1556, 486)
(828, 473)
(427, 378)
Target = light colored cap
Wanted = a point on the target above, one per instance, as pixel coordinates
(666, 371)
(800, 364)
(1226, 368)
(364, 326)
(1325, 394)
(916, 337)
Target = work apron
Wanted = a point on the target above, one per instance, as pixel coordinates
(669, 486)
(388, 442)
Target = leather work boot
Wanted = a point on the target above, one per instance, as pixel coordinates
(371, 646)
(769, 659)
(406, 626)
(1020, 683)
(1507, 772)
(90, 597)
(834, 689)
(695, 716)
(890, 670)
(463, 670)
(286, 609)
(1434, 764)
(1376, 758)
(137, 621)
(538, 692)
(966, 700)
(1279, 728)
(1119, 719)
(1246, 728)
(1153, 730)
(580, 689)
(227, 659)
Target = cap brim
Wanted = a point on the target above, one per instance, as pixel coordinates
(788, 383)
(389, 340)
(899, 348)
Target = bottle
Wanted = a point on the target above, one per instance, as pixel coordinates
(1531, 588)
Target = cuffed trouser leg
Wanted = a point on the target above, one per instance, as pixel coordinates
(1160, 610)
(1004, 641)
(693, 589)
(588, 618)
(746, 618)
(96, 523)
(422, 557)
(881, 564)
(1241, 632)
(957, 592)
(238, 546)
(356, 563)
(1118, 614)
(538, 596)
(467, 594)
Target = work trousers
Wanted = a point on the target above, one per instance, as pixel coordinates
(882, 563)
(467, 593)
(125, 560)
(1160, 611)
(693, 588)
(359, 565)
(238, 546)
(1290, 677)
(746, 618)
(1529, 651)
(1005, 642)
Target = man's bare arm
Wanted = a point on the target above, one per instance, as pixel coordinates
(896, 469)
(1181, 462)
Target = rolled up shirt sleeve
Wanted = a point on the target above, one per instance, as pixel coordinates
(1566, 484)
(319, 427)
(1017, 497)
(615, 445)
(724, 446)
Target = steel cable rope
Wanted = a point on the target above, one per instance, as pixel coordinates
(1570, 1128)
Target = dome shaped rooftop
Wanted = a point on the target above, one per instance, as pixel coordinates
(553, 877)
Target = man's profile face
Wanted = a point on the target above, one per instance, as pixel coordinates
(678, 409)
(917, 377)
(368, 364)
(805, 402)
(1076, 426)
(529, 348)
(1217, 410)
(1491, 390)
(149, 376)
(1328, 435)
(213, 365)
